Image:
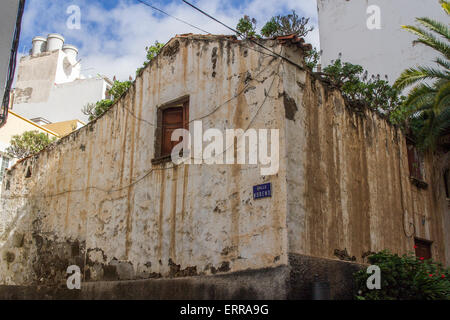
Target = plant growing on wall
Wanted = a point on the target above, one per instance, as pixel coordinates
(312, 58)
(287, 25)
(94, 110)
(278, 26)
(427, 107)
(28, 143)
(152, 52)
(247, 27)
(358, 88)
(405, 277)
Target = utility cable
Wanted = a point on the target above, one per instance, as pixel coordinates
(243, 36)
(169, 15)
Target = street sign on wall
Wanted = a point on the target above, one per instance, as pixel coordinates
(262, 191)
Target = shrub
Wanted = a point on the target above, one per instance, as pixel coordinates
(357, 87)
(28, 143)
(405, 277)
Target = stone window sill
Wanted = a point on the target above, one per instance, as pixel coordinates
(162, 159)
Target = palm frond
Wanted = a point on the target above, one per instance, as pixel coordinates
(445, 5)
(442, 98)
(413, 75)
(443, 63)
(435, 26)
(429, 40)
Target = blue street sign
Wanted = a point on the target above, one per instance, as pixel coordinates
(262, 191)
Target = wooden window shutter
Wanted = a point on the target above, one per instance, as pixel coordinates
(172, 119)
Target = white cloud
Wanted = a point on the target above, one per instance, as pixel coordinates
(112, 42)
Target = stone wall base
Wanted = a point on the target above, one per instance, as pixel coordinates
(280, 283)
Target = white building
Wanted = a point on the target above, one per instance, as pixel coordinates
(50, 87)
(369, 33)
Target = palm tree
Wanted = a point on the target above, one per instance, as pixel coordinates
(428, 103)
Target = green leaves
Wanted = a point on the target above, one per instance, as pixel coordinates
(95, 110)
(152, 52)
(271, 28)
(356, 86)
(28, 143)
(119, 88)
(287, 25)
(247, 27)
(426, 107)
(404, 278)
(312, 58)
(276, 26)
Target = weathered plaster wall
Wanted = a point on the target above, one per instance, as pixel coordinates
(94, 199)
(35, 77)
(348, 181)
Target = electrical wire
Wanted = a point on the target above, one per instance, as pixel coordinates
(215, 109)
(169, 15)
(243, 36)
(218, 21)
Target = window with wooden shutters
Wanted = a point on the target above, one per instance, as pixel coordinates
(172, 120)
(170, 117)
(415, 162)
(423, 248)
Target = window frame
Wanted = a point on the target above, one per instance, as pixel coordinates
(418, 242)
(183, 103)
(416, 165)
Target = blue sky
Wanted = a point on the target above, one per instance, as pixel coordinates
(114, 33)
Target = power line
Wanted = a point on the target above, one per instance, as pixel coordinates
(215, 109)
(241, 35)
(169, 15)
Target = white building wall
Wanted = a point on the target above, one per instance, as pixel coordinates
(65, 101)
(385, 51)
(50, 85)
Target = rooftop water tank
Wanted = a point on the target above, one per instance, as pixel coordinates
(39, 45)
(54, 42)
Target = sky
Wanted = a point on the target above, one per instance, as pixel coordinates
(113, 34)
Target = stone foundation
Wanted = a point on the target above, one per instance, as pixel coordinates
(285, 282)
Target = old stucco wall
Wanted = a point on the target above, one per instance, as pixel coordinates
(349, 187)
(94, 199)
